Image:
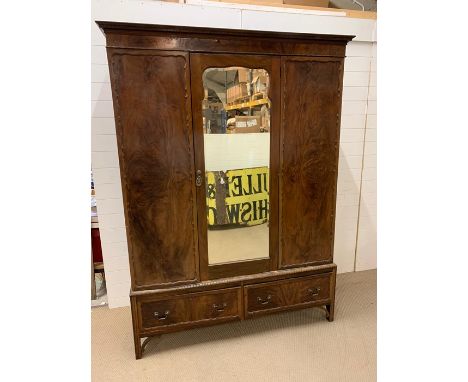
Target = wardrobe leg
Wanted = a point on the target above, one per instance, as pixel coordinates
(331, 307)
(138, 347)
(330, 311)
(136, 334)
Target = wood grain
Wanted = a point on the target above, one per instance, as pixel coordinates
(238, 268)
(217, 40)
(215, 305)
(311, 104)
(151, 92)
(281, 295)
(199, 63)
(189, 310)
(165, 312)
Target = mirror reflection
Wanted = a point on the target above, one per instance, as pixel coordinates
(236, 124)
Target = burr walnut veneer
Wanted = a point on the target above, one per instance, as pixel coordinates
(156, 77)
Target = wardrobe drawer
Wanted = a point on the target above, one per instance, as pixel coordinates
(165, 312)
(284, 294)
(213, 305)
(190, 309)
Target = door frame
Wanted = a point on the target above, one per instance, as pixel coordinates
(199, 62)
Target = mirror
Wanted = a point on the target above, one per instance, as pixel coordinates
(236, 125)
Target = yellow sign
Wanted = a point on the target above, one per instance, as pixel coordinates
(238, 197)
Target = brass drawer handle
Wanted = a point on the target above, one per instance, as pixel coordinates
(314, 291)
(266, 301)
(160, 316)
(220, 307)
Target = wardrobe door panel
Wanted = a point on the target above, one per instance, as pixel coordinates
(151, 92)
(236, 117)
(311, 106)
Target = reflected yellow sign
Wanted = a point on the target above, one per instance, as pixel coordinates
(238, 197)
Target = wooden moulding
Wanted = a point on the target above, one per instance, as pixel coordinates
(238, 281)
(215, 40)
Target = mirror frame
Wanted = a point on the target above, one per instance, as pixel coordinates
(239, 166)
(199, 62)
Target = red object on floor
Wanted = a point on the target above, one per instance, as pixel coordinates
(96, 244)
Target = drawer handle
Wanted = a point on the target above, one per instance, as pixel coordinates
(266, 301)
(220, 307)
(314, 291)
(160, 316)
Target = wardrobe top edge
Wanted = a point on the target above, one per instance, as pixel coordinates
(110, 27)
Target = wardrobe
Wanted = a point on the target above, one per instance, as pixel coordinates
(228, 145)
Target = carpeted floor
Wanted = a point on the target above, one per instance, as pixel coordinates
(293, 346)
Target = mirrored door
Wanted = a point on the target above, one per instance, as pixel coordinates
(235, 115)
(236, 131)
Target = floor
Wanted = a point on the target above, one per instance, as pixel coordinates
(293, 346)
(236, 244)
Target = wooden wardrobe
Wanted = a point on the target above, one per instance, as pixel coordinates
(228, 145)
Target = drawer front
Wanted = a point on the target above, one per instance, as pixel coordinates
(165, 312)
(216, 305)
(280, 295)
(187, 310)
(266, 297)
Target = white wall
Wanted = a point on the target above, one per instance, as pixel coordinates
(367, 228)
(353, 124)
(354, 246)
